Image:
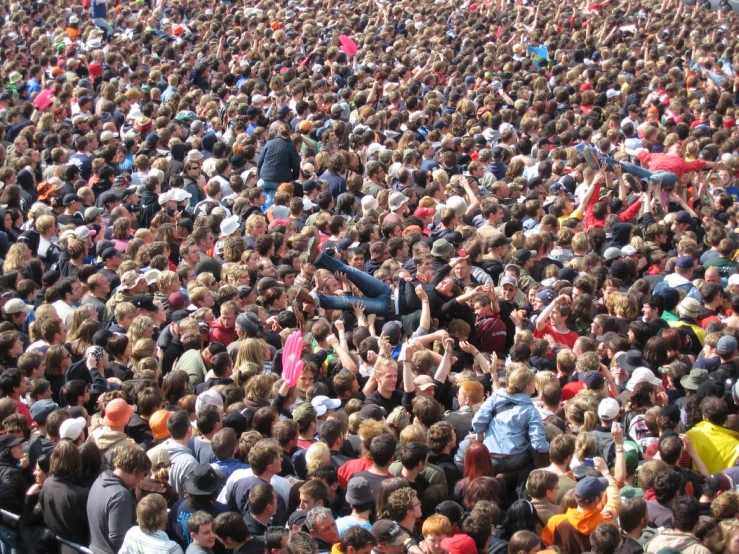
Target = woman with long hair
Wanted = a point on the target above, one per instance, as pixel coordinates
(17, 256)
(476, 464)
(175, 386)
(81, 339)
(250, 356)
(643, 397)
(142, 349)
(482, 488)
(157, 482)
(56, 362)
(141, 328)
(64, 489)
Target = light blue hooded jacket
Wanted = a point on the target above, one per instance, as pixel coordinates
(515, 427)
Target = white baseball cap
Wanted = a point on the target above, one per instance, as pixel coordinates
(608, 409)
(323, 404)
(72, 428)
(642, 375)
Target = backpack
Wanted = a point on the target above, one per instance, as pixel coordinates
(638, 429)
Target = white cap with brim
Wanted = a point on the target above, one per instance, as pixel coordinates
(72, 428)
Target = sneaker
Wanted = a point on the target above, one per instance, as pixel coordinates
(590, 159)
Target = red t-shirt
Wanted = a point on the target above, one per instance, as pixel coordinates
(351, 467)
(567, 338)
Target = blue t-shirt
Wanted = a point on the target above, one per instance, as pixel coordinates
(346, 522)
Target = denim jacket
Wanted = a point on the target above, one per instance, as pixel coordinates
(513, 429)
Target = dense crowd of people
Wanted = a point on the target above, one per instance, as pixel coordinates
(372, 277)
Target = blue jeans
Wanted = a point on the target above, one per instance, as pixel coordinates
(104, 25)
(269, 192)
(8, 540)
(667, 178)
(377, 293)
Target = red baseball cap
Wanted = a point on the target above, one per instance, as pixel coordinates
(459, 544)
(424, 212)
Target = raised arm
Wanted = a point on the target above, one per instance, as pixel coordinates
(541, 321)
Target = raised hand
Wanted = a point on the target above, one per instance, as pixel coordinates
(421, 293)
(358, 309)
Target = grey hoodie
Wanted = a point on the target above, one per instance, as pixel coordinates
(183, 464)
(111, 511)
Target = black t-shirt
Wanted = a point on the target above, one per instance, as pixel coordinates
(374, 480)
(388, 404)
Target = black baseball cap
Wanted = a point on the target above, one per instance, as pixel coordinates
(145, 302)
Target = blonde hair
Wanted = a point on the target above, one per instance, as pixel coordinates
(543, 378)
(140, 324)
(625, 306)
(519, 380)
(317, 455)
(165, 280)
(585, 446)
(383, 364)
(582, 412)
(250, 351)
(398, 419)
(15, 259)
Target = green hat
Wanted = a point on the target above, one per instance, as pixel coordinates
(60, 48)
(385, 155)
(630, 491)
(631, 455)
(14, 77)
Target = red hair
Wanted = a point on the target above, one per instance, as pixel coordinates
(477, 462)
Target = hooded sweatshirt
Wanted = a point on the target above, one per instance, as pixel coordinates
(111, 511)
(107, 439)
(219, 333)
(572, 529)
(183, 464)
(685, 542)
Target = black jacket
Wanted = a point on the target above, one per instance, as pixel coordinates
(149, 207)
(13, 484)
(279, 161)
(64, 505)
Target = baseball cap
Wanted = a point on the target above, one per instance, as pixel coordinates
(372, 411)
(389, 532)
(71, 198)
(208, 398)
(72, 428)
(110, 253)
(593, 380)
(642, 375)
(608, 409)
(424, 382)
(16, 306)
(130, 279)
(145, 302)
(459, 544)
(522, 256)
(158, 424)
(92, 212)
(590, 488)
(323, 404)
(179, 315)
(509, 280)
